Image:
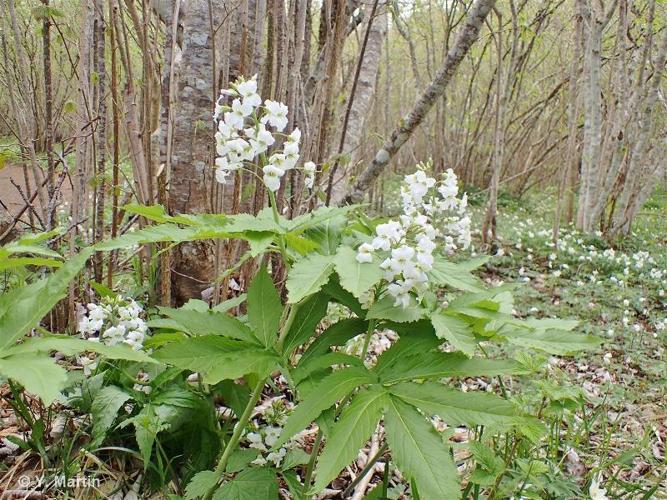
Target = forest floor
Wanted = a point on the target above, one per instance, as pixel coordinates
(620, 295)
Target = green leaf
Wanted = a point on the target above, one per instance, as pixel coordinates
(357, 422)
(264, 308)
(415, 339)
(38, 374)
(559, 342)
(251, 484)
(419, 452)
(23, 308)
(457, 332)
(69, 346)
(262, 222)
(240, 459)
(307, 276)
(457, 276)
(16, 262)
(318, 216)
(235, 396)
(456, 407)
(543, 324)
(308, 315)
(201, 484)
(305, 368)
(385, 309)
(327, 234)
(343, 297)
(208, 322)
(218, 358)
(489, 466)
(230, 303)
(355, 277)
(300, 244)
(294, 458)
(325, 394)
(337, 334)
(104, 409)
(445, 364)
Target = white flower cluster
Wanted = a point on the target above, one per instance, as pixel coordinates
(114, 321)
(265, 435)
(242, 135)
(411, 240)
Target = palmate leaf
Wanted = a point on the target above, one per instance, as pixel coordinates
(251, 484)
(104, 409)
(385, 309)
(338, 294)
(201, 484)
(69, 346)
(207, 323)
(419, 453)
(309, 313)
(264, 308)
(324, 395)
(457, 332)
(456, 407)
(317, 217)
(305, 368)
(217, 357)
(355, 426)
(23, 308)
(445, 364)
(355, 277)
(337, 334)
(560, 342)
(37, 373)
(307, 276)
(457, 276)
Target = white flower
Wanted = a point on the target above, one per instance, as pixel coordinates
(277, 456)
(309, 170)
(272, 435)
(248, 90)
(272, 175)
(294, 137)
(365, 253)
(88, 365)
(596, 491)
(221, 175)
(275, 115)
(260, 139)
(236, 117)
(256, 442)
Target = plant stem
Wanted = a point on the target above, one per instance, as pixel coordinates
(238, 431)
(371, 463)
(276, 218)
(311, 464)
(367, 340)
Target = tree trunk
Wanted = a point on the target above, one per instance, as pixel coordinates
(434, 91)
(360, 101)
(100, 144)
(191, 152)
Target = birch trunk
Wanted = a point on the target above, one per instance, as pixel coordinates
(431, 94)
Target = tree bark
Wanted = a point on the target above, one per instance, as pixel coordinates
(191, 153)
(431, 94)
(359, 103)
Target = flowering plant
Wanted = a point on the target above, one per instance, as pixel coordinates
(243, 139)
(114, 321)
(408, 243)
